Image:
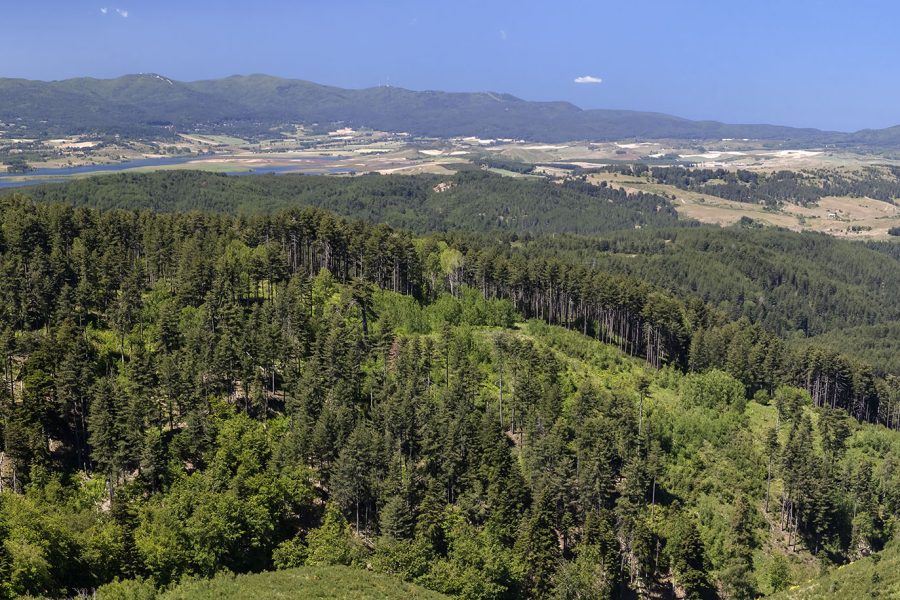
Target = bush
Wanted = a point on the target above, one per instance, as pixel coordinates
(130, 589)
(713, 389)
(333, 543)
(290, 553)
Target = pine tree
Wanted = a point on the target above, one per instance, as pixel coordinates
(834, 432)
(737, 575)
(538, 547)
(600, 545)
(355, 472)
(430, 521)
(773, 447)
(505, 486)
(687, 558)
(104, 431)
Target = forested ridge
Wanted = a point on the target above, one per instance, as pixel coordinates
(791, 284)
(467, 201)
(191, 392)
(877, 345)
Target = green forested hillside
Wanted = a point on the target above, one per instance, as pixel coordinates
(877, 345)
(808, 283)
(792, 284)
(468, 201)
(185, 394)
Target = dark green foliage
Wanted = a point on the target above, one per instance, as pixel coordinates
(877, 345)
(538, 547)
(17, 165)
(503, 480)
(688, 559)
(474, 201)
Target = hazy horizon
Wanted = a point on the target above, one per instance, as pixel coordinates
(807, 64)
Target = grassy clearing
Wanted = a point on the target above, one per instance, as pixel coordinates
(216, 140)
(308, 583)
(200, 165)
(303, 583)
(877, 576)
(513, 174)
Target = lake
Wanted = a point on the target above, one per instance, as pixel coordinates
(60, 175)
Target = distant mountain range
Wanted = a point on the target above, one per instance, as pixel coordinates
(150, 104)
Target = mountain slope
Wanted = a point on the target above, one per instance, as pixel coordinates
(141, 104)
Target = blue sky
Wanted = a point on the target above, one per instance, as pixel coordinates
(831, 65)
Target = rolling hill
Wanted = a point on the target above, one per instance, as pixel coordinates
(151, 104)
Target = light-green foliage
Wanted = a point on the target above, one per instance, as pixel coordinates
(778, 574)
(333, 543)
(450, 259)
(128, 589)
(713, 389)
(470, 308)
(407, 559)
(581, 579)
(225, 517)
(289, 553)
(41, 547)
(305, 583)
(476, 567)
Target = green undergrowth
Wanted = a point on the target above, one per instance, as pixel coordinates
(302, 583)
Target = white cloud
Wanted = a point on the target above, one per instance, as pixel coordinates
(122, 13)
(104, 10)
(588, 79)
(503, 34)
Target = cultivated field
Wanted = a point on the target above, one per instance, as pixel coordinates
(838, 216)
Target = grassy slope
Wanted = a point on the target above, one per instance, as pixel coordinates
(302, 583)
(307, 583)
(874, 577)
(864, 212)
